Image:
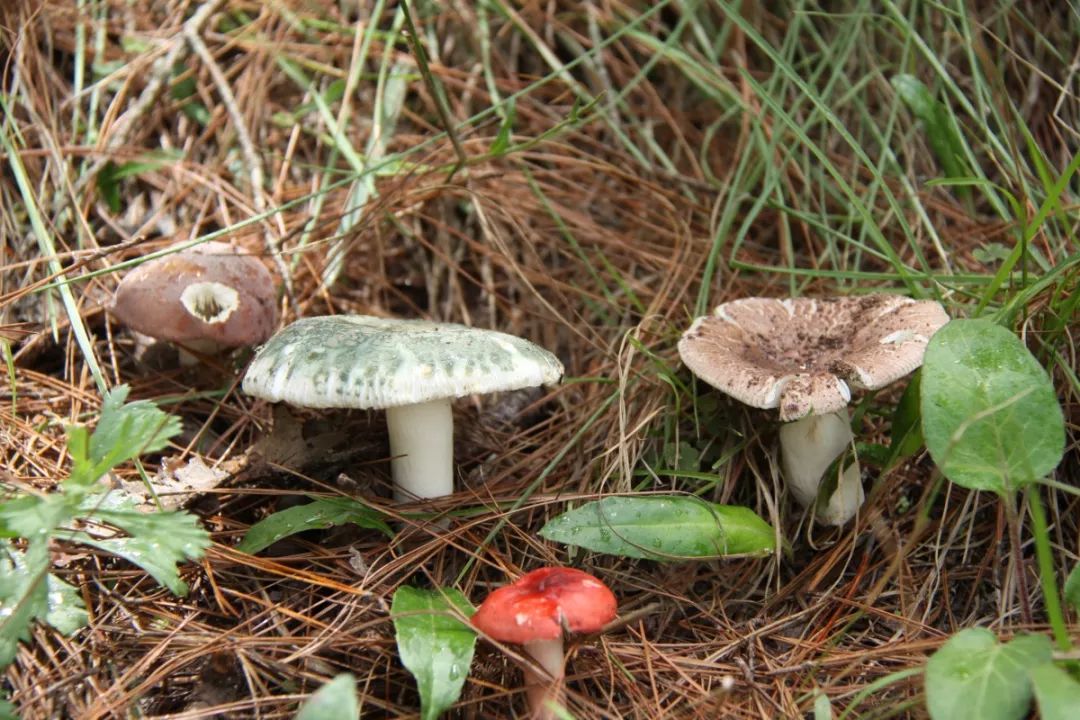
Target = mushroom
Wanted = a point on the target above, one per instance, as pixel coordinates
(412, 368)
(802, 356)
(536, 612)
(204, 298)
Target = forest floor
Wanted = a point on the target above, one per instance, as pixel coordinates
(590, 176)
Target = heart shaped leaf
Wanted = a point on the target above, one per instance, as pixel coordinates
(989, 411)
(973, 677)
(662, 527)
(434, 645)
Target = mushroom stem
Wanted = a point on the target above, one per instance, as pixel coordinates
(422, 446)
(544, 689)
(807, 447)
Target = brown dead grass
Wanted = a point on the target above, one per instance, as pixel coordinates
(735, 639)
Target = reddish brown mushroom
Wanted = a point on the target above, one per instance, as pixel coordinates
(536, 612)
(204, 298)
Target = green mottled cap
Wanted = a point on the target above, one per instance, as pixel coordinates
(357, 361)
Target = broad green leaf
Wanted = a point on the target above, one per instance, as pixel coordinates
(434, 646)
(157, 542)
(940, 131)
(7, 711)
(336, 700)
(319, 514)
(1072, 589)
(661, 527)
(973, 677)
(990, 415)
(1056, 693)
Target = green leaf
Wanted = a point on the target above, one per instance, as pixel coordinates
(157, 542)
(7, 711)
(66, 611)
(434, 646)
(336, 700)
(24, 594)
(319, 514)
(990, 415)
(506, 131)
(973, 677)
(108, 186)
(125, 431)
(661, 527)
(940, 131)
(1072, 588)
(1057, 694)
(822, 707)
(29, 516)
(907, 435)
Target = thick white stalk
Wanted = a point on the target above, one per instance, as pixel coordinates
(422, 446)
(542, 689)
(807, 447)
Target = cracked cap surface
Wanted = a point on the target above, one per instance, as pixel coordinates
(801, 355)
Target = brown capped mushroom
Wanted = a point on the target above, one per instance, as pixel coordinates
(802, 356)
(204, 298)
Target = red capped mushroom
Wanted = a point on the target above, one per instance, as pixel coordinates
(536, 612)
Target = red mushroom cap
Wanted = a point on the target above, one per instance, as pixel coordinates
(541, 603)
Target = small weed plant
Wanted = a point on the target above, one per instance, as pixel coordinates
(87, 512)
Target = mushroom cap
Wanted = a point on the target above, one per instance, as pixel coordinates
(207, 292)
(357, 361)
(802, 354)
(544, 602)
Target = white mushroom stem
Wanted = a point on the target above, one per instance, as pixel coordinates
(541, 690)
(186, 352)
(807, 447)
(422, 446)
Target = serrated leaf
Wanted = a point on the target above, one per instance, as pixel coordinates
(29, 516)
(128, 430)
(990, 414)
(157, 542)
(319, 514)
(434, 646)
(23, 594)
(66, 611)
(336, 700)
(973, 677)
(661, 527)
(1056, 693)
(1072, 589)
